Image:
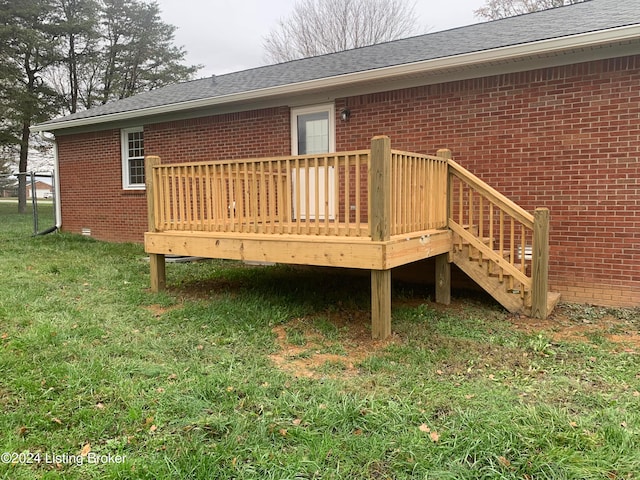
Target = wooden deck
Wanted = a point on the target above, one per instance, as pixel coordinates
(347, 252)
(373, 209)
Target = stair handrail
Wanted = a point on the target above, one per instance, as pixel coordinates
(504, 203)
(538, 223)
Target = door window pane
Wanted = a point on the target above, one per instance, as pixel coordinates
(313, 133)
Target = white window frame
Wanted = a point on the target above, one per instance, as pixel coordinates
(325, 107)
(124, 144)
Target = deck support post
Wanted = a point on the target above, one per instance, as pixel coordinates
(443, 279)
(380, 228)
(443, 262)
(540, 264)
(380, 304)
(157, 272)
(157, 269)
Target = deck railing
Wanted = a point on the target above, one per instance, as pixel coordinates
(418, 192)
(328, 194)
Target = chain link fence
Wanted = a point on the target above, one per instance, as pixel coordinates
(41, 194)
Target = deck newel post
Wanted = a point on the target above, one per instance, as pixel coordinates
(443, 261)
(380, 228)
(156, 261)
(540, 264)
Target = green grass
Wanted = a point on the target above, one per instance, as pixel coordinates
(181, 384)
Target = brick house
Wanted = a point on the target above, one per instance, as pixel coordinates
(544, 107)
(43, 188)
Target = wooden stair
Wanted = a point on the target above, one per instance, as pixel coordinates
(499, 245)
(512, 296)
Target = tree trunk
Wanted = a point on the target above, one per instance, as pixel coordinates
(22, 168)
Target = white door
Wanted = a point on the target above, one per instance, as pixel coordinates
(313, 131)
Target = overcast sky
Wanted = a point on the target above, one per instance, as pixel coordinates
(226, 35)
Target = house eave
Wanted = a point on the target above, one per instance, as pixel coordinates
(502, 55)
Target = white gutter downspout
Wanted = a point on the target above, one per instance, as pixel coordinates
(56, 182)
(56, 175)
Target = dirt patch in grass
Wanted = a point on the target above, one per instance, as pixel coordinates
(335, 346)
(326, 347)
(159, 310)
(574, 323)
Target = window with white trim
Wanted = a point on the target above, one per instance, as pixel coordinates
(132, 140)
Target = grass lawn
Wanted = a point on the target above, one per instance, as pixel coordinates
(253, 372)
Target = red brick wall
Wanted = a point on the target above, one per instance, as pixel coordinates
(91, 194)
(566, 138)
(91, 169)
(241, 135)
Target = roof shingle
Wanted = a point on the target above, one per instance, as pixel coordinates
(589, 16)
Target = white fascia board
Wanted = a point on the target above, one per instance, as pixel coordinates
(502, 54)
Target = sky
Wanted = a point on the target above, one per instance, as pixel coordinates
(227, 35)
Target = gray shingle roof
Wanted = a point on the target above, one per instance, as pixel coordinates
(590, 16)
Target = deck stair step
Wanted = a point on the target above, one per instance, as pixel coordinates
(511, 296)
(475, 254)
(494, 270)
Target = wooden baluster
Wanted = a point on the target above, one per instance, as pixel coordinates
(316, 181)
(263, 197)
(307, 197)
(512, 251)
(290, 201)
(220, 201)
(338, 219)
(523, 262)
(191, 197)
(347, 193)
(253, 197)
(272, 198)
(419, 213)
(461, 187)
(228, 195)
(277, 185)
(232, 196)
(480, 224)
(327, 197)
(358, 169)
(298, 202)
(490, 263)
(403, 195)
(471, 218)
(426, 186)
(501, 240)
(181, 199)
(395, 188)
(201, 198)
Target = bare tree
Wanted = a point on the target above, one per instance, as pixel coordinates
(496, 9)
(316, 27)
